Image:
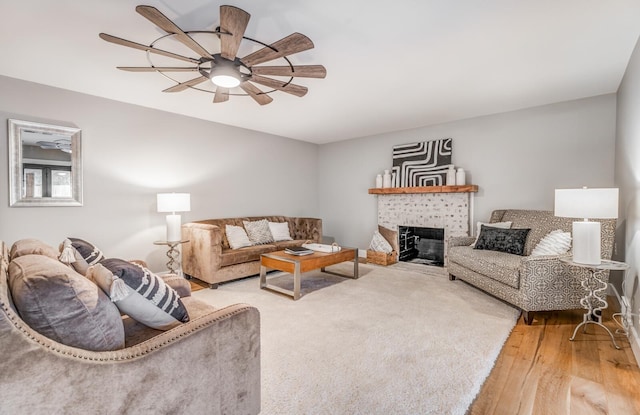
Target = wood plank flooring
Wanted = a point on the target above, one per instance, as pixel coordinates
(541, 372)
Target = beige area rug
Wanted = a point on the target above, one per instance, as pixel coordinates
(398, 340)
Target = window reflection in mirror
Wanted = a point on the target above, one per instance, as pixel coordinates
(45, 165)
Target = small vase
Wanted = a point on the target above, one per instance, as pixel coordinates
(379, 181)
(451, 176)
(461, 179)
(386, 179)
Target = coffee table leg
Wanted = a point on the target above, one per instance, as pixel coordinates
(355, 266)
(296, 281)
(263, 276)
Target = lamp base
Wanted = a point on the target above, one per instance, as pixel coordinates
(586, 243)
(174, 231)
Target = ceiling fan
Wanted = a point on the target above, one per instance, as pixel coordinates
(223, 68)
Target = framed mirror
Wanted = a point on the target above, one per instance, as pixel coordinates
(45, 164)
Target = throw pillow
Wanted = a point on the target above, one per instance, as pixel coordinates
(501, 225)
(64, 306)
(511, 241)
(379, 244)
(139, 293)
(236, 236)
(80, 254)
(32, 246)
(280, 231)
(555, 242)
(258, 231)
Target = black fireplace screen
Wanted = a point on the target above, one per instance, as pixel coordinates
(421, 245)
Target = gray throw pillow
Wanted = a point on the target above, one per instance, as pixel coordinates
(511, 241)
(64, 306)
(32, 246)
(258, 231)
(139, 293)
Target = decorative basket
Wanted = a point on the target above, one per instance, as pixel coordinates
(381, 258)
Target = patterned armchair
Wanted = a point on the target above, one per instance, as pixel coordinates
(531, 283)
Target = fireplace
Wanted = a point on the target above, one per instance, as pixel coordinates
(422, 245)
(449, 211)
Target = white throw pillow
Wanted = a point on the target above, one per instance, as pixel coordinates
(555, 242)
(379, 244)
(501, 225)
(258, 231)
(280, 231)
(237, 236)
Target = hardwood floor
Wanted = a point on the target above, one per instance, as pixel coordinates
(540, 371)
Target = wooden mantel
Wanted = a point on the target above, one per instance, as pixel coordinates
(470, 188)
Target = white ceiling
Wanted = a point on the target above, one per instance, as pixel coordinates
(390, 65)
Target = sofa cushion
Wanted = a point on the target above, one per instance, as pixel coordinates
(29, 246)
(511, 241)
(239, 256)
(63, 305)
(498, 266)
(540, 222)
(236, 237)
(139, 293)
(280, 231)
(258, 231)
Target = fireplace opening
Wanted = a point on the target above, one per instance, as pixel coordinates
(421, 245)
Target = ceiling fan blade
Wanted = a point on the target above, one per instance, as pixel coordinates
(184, 85)
(292, 89)
(156, 17)
(255, 93)
(221, 95)
(294, 43)
(134, 45)
(304, 71)
(156, 68)
(232, 20)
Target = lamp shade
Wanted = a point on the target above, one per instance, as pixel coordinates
(174, 202)
(586, 203)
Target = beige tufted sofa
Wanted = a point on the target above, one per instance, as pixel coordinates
(531, 283)
(208, 256)
(209, 365)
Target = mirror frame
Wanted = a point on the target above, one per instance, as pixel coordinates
(15, 164)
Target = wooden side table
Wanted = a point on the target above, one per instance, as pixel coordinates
(596, 293)
(173, 253)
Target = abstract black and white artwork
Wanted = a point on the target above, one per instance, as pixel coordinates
(422, 164)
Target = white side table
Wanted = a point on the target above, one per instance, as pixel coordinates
(595, 299)
(173, 253)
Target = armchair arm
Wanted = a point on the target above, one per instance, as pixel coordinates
(208, 365)
(182, 286)
(202, 256)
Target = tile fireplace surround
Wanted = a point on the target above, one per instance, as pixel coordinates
(449, 211)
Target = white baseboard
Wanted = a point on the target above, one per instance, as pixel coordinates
(634, 339)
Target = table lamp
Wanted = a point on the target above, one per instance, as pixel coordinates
(174, 202)
(588, 204)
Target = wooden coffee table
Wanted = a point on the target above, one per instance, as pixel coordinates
(296, 265)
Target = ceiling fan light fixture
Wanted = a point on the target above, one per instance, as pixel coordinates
(225, 81)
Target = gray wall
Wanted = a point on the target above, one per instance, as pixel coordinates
(627, 176)
(131, 153)
(517, 159)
